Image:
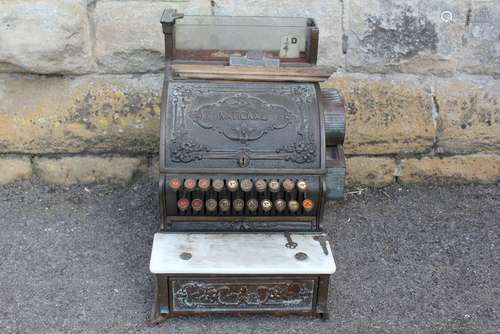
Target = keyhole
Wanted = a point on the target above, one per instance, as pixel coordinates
(244, 161)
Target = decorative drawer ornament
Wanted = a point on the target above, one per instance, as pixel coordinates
(242, 294)
(250, 151)
(241, 272)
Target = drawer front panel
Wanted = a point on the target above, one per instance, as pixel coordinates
(243, 294)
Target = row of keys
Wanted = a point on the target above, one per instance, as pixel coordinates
(238, 205)
(246, 185)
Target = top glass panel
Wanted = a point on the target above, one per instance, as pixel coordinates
(220, 37)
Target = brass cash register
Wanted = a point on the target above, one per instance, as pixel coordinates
(251, 148)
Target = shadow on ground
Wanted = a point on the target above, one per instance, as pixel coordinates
(410, 260)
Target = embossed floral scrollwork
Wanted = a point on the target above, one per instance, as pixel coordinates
(185, 149)
(199, 295)
(301, 151)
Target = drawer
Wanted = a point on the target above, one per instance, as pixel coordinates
(240, 294)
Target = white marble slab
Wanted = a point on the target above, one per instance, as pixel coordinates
(238, 253)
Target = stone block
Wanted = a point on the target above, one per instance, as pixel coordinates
(481, 42)
(87, 169)
(129, 36)
(409, 36)
(44, 36)
(384, 115)
(14, 169)
(368, 171)
(469, 115)
(480, 168)
(112, 113)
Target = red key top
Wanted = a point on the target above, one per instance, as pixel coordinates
(308, 204)
(183, 204)
(175, 184)
(197, 204)
(190, 184)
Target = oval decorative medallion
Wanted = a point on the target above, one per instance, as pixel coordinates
(241, 117)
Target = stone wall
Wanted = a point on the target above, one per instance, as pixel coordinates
(80, 85)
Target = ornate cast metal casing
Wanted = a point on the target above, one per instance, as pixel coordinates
(249, 143)
(274, 125)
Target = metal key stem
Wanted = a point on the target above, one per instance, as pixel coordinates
(322, 241)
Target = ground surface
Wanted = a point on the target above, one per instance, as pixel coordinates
(410, 260)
